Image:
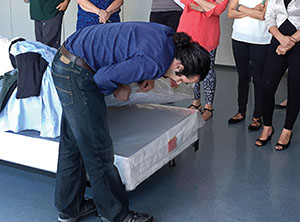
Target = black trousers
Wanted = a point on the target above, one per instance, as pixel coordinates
(250, 62)
(49, 31)
(169, 18)
(275, 68)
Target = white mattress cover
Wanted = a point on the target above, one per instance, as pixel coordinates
(140, 134)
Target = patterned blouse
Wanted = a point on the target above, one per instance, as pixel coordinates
(85, 19)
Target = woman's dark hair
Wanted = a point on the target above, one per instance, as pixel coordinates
(193, 57)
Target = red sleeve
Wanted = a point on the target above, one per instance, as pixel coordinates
(218, 10)
(187, 3)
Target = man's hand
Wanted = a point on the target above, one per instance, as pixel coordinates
(122, 92)
(63, 6)
(146, 85)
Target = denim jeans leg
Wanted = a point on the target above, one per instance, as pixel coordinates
(71, 174)
(85, 112)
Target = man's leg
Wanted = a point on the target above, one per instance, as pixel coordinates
(49, 31)
(85, 110)
(71, 175)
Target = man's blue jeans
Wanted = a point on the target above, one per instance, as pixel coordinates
(85, 146)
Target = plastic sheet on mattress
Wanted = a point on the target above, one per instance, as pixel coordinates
(161, 93)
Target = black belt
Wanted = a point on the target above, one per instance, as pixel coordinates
(75, 59)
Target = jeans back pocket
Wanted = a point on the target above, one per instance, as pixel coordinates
(63, 88)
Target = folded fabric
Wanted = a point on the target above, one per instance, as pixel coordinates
(8, 83)
(31, 67)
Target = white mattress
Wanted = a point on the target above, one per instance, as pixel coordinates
(145, 138)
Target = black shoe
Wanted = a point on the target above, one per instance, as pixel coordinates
(284, 146)
(133, 217)
(87, 207)
(255, 124)
(234, 120)
(264, 142)
(137, 217)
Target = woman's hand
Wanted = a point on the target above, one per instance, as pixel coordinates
(196, 7)
(287, 42)
(259, 7)
(103, 16)
(281, 50)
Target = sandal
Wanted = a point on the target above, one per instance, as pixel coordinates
(255, 124)
(208, 115)
(192, 106)
(237, 118)
(283, 146)
(264, 142)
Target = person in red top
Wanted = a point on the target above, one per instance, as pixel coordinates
(201, 20)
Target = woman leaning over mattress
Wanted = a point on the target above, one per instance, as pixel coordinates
(250, 43)
(283, 22)
(201, 20)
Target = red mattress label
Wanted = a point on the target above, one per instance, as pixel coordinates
(172, 143)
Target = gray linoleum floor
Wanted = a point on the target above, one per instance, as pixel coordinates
(229, 179)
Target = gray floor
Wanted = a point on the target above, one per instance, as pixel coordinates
(228, 179)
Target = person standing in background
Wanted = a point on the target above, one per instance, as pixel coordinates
(165, 12)
(93, 12)
(201, 20)
(250, 44)
(283, 22)
(48, 17)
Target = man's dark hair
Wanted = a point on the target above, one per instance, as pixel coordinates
(193, 57)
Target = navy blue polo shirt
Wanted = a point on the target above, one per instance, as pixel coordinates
(123, 53)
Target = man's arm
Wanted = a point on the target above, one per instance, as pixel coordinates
(136, 69)
(122, 92)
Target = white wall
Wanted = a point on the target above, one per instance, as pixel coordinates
(15, 21)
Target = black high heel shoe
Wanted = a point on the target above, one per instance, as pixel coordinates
(284, 146)
(264, 142)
